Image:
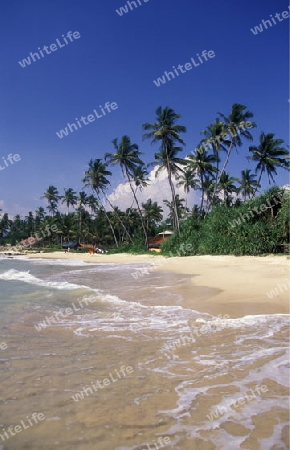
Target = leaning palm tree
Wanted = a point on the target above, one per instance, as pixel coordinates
(166, 132)
(269, 155)
(127, 156)
(96, 179)
(69, 198)
(201, 162)
(248, 184)
(236, 126)
(52, 197)
(141, 180)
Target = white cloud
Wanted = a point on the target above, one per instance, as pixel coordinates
(158, 190)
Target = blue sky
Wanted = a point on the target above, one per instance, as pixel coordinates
(116, 59)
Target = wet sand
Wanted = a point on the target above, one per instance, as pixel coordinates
(240, 283)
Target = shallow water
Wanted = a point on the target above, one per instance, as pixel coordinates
(128, 367)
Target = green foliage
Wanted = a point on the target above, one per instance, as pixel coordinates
(187, 242)
(255, 227)
(283, 219)
(136, 248)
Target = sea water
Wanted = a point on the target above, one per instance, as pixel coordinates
(71, 332)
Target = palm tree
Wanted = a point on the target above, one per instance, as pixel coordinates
(169, 161)
(140, 178)
(39, 217)
(187, 180)
(181, 209)
(226, 184)
(209, 186)
(92, 203)
(127, 156)
(152, 214)
(46, 225)
(29, 224)
(248, 184)
(40, 213)
(201, 162)
(167, 132)
(216, 137)
(68, 227)
(81, 201)
(52, 197)
(69, 198)
(269, 155)
(236, 126)
(96, 179)
(5, 224)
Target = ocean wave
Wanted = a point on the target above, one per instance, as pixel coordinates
(54, 262)
(27, 277)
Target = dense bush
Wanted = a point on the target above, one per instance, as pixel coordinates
(255, 227)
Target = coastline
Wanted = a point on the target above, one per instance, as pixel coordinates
(238, 286)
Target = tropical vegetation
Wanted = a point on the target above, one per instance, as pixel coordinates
(90, 216)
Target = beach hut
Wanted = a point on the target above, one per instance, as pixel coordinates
(154, 242)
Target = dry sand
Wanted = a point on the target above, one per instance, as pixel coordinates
(240, 284)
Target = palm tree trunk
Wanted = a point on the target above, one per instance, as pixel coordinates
(223, 169)
(111, 227)
(202, 192)
(175, 215)
(109, 221)
(173, 195)
(80, 225)
(217, 168)
(226, 162)
(138, 207)
(119, 219)
(258, 182)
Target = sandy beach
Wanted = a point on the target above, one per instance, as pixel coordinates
(239, 284)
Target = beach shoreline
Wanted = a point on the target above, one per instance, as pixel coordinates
(238, 286)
